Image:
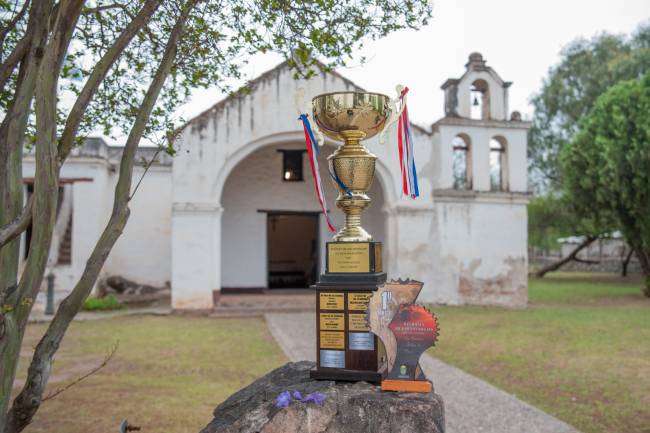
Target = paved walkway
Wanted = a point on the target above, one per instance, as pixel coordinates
(471, 405)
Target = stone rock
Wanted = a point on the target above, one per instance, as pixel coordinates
(348, 407)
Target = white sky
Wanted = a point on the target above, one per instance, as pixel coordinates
(520, 39)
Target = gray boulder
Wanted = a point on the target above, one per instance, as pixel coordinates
(348, 407)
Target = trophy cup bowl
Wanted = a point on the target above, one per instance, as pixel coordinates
(351, 111)
(351, 117)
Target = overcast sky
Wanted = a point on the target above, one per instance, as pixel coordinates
(520, 39)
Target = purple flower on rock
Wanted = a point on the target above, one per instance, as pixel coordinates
(315, 397)
(283, 399)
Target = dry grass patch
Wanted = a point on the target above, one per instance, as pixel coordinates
(168, 374)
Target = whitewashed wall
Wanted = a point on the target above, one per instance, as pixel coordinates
(481, 250)
(143, 252)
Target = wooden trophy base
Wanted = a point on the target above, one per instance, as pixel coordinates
(423, 386)
(346, 349)
(344, 375)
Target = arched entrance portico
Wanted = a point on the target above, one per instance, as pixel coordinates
(272, 231)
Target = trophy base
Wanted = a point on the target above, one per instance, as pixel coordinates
(422, 386)
(353, 281)
(343, 375)
(346, 349)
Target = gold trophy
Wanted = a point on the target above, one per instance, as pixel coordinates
(352, 117)
(346, 349)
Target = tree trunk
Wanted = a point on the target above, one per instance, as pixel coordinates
(626, 262)
(558, 264)
(12, 133)
(644, 261)
(29, 399)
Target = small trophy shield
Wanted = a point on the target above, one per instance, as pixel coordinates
(407, 330)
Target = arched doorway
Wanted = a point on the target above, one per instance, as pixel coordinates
(273, 232)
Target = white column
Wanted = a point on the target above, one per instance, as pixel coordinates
(196, 255)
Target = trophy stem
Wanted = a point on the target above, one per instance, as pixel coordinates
(355, 167)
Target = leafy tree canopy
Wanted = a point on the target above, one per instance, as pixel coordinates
(606, 167)
(548, 220)
(588, 67)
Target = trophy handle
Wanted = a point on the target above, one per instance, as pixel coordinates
(394, 112)
(303, 108)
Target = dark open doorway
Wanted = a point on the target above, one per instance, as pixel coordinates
(292, 249)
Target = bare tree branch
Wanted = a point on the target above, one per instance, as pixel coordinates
(572, 256)
(85, 376)
(9, 64)
(45, 182)
(146, 169)
(89, 11)
(98, 74)
(12, 133)
(586, 262)
(12, 230)
(12, 24)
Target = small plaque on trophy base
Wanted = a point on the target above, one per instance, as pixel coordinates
(353, 263)
(423, 386)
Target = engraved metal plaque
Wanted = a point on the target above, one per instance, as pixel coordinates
(332, 359)
(359, 301)
(348, 257)
(332, 340)
(331, 301)
(358, 322)
(332, 321)
(361, 341)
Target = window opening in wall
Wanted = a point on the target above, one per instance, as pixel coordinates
(497, 164)
(461, 163)
(479, 100)
(292, 165)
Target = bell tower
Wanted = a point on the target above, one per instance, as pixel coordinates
(479, 94)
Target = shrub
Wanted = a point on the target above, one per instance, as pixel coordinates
(107, 303)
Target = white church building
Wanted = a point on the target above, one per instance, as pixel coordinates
(236, 211)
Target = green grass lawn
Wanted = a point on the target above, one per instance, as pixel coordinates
(168, 374)
(581, 351)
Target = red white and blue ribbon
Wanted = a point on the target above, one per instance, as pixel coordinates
(312, 151)
(405, 147)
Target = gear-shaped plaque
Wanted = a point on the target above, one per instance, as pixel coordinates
(407, 330)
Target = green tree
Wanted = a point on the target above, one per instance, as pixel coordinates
(586, 70)
(552, 216)
(548, 220)
(607, 165)
(125, 65)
